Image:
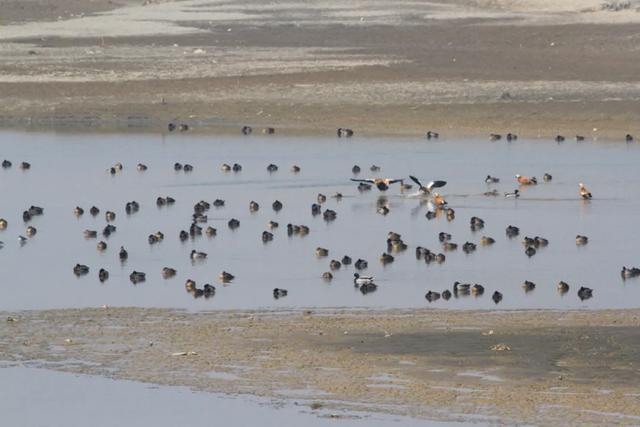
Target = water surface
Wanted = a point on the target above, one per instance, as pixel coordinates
(70, 170)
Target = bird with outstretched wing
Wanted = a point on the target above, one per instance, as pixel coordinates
(381, 183)
(430, 186)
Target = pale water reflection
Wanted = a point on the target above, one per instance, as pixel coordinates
(69, 170)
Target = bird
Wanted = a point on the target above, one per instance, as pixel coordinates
(581, 240)
(198, 255)
(525, 180)
(430, 186)
(359, 280)
(585, 293)
(381, 183)
(226, 277)
(491, 179)
(439, 201)
(584, 193)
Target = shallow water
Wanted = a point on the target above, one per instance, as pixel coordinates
(70, 169)
(63, 400)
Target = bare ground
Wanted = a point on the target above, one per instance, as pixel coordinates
(539, 367)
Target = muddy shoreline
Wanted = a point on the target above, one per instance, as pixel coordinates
(540, 367)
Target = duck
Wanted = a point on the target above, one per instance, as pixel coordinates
(280, 293)
(168, 272)
(359, 280)
(177, 166)
(468, 247)
(208, 290)
(514, 194)
(94, 211)
(277, 205)
(396, 245)
(246, 130)
(137, 277)
(183, 235)
(491, 179)
(448, 246)
(446, 295)
(103, 275)
(292, 229)
(530, 251)
(430, 215)
(327, 275)
(329, 215)
(361, 264)
(346, 260)
(22, 240)
(559, 138)
(440, 202)
(355, 169)
(495, 137)
(3, 224)
(102, 246)
(528, 241)
(268, 131)
(444, 237)
(233, 223)
(512, 231)
(31, 231)
(195, 230)
(368, 288)
(563, 287)
(132, 207)
(422, 252)
(496, 297)
(218, 203)
(381, 184)
(321, 198)
(386, 258)
(476, 222)
(161, 201)
(322, 252)
(141, 167)
(477, 290)
(110, 216)
(383, 210)
(579, 138)
(461, 288)
(190, 285)
(628, 137)
(392, 235)
(198, 255)
(123, 254)
(427, 189)
(363, 186)
(236, 167)
(486, 240)
(108, 230)
(272, 168)
(78, 211)
(628, 273)
(581, 240)
(440, 258)
(25, 166)
(80, 269)
(6, 164)
(432, 135)
(525, 180)
(511, 137)
(316, 209)
(584, 193)
(152, 239)
(253, 206)
(225, 167)
(432, 296)
(225, 277)
(26, 216)
(528, 286)
(304, 230)
(492, 193)
(547, 177)
(585, 293)
(210, 231)
(187, 168)
(295, 168)
(344, 132)
(540, 242)
(267, 236)
(338, 196)
(90, 234)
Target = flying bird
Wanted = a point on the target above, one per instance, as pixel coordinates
(430, 186)
(381, 183)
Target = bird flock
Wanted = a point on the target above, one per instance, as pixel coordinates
(395, 244)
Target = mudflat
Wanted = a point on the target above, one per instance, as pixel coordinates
(461, 67)
(539, 367)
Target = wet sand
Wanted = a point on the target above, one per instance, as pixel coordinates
(540, 367)
(383, 68)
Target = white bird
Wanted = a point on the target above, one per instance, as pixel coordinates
(362, 280)
(430, 186)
